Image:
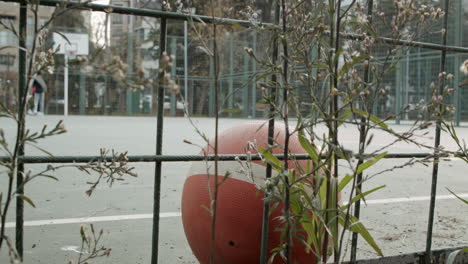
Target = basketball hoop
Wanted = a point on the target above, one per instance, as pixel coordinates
(71, 53)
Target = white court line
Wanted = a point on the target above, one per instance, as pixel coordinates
(92, 219)
(414, 199)
(177, 214)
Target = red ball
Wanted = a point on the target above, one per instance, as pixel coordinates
(240, 204)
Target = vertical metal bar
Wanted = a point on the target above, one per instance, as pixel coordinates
(435, 168)
(211, 85)
(457, 93)
(82, 93)
(231, 73)
(271, 131)
(173, 73)
(427, 81)
(254, 71)
(407, 86)
(458, 59)
(398, 85)
(22, 90)
(186, 66)
(130, 94)
(362, 130)
(159, 141)
(66, 76)
(419, 87)
(105, 96)
(245, 90)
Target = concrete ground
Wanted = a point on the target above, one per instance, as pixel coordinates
(395, 215)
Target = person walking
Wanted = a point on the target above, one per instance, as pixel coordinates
(38, 87)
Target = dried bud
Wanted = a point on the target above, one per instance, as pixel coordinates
(440, 99)
(167, 77)
(334, 92)
(442, 76)
(464, 67)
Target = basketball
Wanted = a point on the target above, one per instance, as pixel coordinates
(240, 204)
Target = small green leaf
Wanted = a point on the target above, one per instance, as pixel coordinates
(307, 146)
(62, 35)
(83, 233)
(361, 196)
(237, 25)
(344, 117)
(49, 176)
(372, 118)
(227, 175)
(369, 163)
(357, 227)
(452, 256)
(346, 179)
(206, 208)
(41, 149)
(270, 158)
(461, 199)
(27, 199)
(92, 229)
(333, 211)
(323, 192)
(263, 76)
(320, 66)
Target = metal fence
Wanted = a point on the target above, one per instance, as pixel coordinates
(100, 104)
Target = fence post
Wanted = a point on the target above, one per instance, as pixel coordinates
(22, 90)
(82, 93)
(362, 130)
(435, 168)
(159, 141)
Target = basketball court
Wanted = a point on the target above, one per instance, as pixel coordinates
(395, 215)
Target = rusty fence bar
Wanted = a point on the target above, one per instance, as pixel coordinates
(362, 132)
(207, 19)
(435, 168)
(222, 157)
(23, 90)
(159, 142)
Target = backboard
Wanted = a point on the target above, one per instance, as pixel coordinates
(78, 42)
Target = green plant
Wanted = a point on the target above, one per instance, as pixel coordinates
(343, 77)
(462, 154)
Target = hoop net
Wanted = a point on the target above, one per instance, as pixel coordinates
(71, 53)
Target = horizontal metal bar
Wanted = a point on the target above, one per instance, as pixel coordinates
(409, 43)
(208, 19)
(180, 158)
(141, 12)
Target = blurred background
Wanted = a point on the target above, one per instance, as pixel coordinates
(100, 41)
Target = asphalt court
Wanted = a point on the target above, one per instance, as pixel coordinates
(395, 215)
